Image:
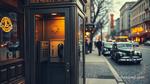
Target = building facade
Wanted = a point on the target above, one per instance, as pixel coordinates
(117, 26)
(140, 21)
(125, 18)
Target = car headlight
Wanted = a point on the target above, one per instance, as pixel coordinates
(137, 53)
(105, 49)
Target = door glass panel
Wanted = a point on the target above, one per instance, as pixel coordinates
(80, 44)
(51, 28)
(9, 36)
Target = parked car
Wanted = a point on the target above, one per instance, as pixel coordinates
(125, 52)
(106, 48)
(136, 44)
(147, 43)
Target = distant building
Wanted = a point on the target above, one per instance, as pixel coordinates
(125, 18)
(117, 26)
(140, 21)
(88, 12)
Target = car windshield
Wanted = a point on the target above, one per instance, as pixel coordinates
(124, 45)
(148, 42)
(108, 45)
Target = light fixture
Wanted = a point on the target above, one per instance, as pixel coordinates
(37, 15)
(53, 14)
(146, 31)
(87, 33)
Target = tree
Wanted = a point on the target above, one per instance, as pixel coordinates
(100, 17)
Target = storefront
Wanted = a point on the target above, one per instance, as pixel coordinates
(54, 39)
(136, 33)
(11, 42)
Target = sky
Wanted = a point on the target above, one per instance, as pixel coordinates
(117, 4)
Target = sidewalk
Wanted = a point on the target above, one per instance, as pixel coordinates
(99, 70)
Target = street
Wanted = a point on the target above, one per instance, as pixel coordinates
(132, 73)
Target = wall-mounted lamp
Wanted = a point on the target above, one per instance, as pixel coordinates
(87, 33)
(146, 31)
(53, 14)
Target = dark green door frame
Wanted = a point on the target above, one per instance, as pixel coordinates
(30, 56)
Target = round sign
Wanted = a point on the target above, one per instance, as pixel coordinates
(6, 24)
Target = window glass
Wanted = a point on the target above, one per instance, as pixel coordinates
(9, 38)
(80, 48)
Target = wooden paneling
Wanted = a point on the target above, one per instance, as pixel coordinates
(49, 1)
(11, 71)
(3, 74)
(10, 2)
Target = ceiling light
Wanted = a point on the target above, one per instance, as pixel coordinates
(53, 13)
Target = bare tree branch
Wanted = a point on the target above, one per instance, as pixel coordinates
(98, 10)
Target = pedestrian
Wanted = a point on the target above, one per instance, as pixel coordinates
(99, 46)
(95, 44)
(90, 47)
(86, 46)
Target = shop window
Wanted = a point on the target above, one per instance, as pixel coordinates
(9, 38)
(50, 28)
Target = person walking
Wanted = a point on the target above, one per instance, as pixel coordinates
(86, 46)
(90, 47)
(99, 46)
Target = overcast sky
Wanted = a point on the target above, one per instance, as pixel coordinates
(117, 4)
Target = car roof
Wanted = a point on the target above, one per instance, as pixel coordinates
(124, 43)
(108, 42)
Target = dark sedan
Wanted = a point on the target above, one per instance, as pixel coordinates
(147, 43)
(106, 48)
(125, 52)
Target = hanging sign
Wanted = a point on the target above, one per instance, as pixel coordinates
(6, 24)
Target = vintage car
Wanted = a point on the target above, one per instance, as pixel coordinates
(106, 48)
(147, 43)
(125, 52)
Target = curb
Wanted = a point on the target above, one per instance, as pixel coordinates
(116, 75)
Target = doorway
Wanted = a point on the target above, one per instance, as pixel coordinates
(51, 46)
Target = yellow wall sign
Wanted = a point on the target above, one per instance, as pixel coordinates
(6, 24)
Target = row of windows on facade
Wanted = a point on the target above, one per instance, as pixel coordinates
(138, 15)
(138, 9)
(139, 19)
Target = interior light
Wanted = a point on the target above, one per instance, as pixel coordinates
(146, 31)
(37, 15)
(87, 33)
(53, 13)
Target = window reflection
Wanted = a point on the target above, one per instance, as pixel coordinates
(9, 40)
(80, 48)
